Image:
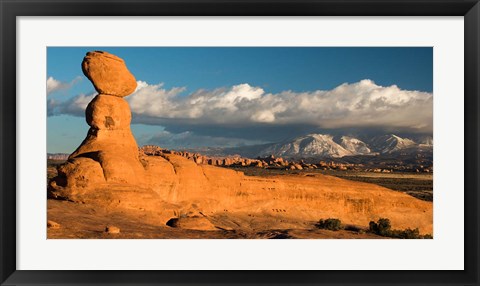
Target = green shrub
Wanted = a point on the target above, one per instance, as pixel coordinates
(383, 227)
(407, 233)
(330, 224)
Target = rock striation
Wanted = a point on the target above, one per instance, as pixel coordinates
(167, 188)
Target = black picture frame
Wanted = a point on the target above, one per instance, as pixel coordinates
(9, 9)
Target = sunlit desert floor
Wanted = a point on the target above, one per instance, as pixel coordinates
(82, 221)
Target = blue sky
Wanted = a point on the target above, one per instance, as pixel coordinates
(190, 97)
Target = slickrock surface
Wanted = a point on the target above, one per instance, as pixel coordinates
(106, 172)
(88, 221)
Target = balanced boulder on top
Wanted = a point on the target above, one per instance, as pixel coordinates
(108, 73)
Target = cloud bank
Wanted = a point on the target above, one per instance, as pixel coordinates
(74, 106)
(362, 104)
(54, 85)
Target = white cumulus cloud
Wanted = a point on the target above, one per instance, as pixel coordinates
(56, 85)
(74, 106)
(360, 104)
(349, 105)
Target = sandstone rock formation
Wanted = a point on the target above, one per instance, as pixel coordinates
(187, 192)
(109, 153)
(52, 224)
(112, 229)
(108, 73)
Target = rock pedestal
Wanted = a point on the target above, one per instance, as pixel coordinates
(110, 141)
(109, 153)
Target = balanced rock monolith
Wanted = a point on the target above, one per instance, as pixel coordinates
(109, 153)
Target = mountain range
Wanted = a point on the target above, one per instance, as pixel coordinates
(325, 146)
(330, 146)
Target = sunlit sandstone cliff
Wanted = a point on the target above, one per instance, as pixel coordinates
(107, 170)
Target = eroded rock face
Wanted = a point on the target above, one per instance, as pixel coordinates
(107, 112)
(108, 73)
(80, 173)
(110, 141)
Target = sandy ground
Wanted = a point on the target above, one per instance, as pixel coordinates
(89, 222)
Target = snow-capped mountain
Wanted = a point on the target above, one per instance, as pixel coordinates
(328, 146)
(386, 144)
(311, 145)
(354, 145)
